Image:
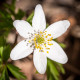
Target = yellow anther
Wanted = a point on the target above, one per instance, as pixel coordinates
(42, 51)
(41, 32)
(49, 34)
(39, 50)
(45, 31)
(35, 34)
(34, 38)
(50, 39)
(42, 35)
(47, 48)
(47, 51)
(29, 41)
(35, 46)
(45, 45)
(46, 36)
(50, 44)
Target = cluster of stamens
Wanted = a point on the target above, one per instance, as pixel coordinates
(41, 40)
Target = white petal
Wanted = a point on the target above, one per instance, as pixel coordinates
(58, 28)
(23, 27)
(40, 61)
(21, 50)
(56, 53)
(39, 22)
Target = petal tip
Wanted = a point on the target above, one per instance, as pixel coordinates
(41, 72)
(11, 56)
(15, 22)
(66, 23)
(38, 5)
(65, 60)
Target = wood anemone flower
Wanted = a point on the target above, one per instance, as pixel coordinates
(39, 40)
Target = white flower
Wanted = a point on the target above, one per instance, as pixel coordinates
(39, 40)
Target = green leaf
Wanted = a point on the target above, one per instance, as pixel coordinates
(62, 45)
(13, 2)
(51, 77)
(60, 66)
(16, 71)
(1, 51)
(29, 19)
(19, 15)
(6, 53)
(47, 25)
(53, 69)
(2, 41)
(4, 75)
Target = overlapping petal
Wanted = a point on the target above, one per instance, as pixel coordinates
(58, 28)
(39, 22)
(56, 53)
(21, 50)
(40, 61)
(23, 28)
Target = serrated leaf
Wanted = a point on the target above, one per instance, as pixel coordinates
(16, 71)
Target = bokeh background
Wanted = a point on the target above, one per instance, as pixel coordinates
(54, 10)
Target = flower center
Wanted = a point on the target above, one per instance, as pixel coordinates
(40, 39)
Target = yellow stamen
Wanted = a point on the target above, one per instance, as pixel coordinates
(41, 32)
(41, 39)
(47, 48)
(50, 44)
(47, 51)
(49, 34)
(46, 36)
(29, 41)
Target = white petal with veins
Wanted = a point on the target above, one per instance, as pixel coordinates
(58, 28)
(21, 50)
(40, 61)
(56, 53)
(39, 22)
(23, 28)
